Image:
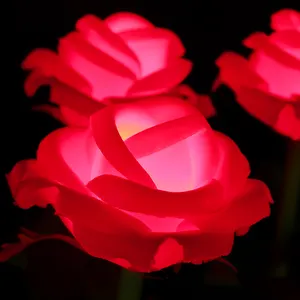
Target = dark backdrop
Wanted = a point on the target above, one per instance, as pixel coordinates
(53, 270)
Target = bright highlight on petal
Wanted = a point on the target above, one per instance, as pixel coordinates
(147, 185)
(267, 84)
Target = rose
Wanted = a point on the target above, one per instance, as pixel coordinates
(267, 85)
(149, 184)
(123, 56)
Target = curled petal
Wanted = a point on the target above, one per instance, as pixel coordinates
(202, 102)
(286, 19)
(51, 110)
(106, 76)
(49, 65)
(268, 108)
(233, 169)
(96, 32)
(260, 41)
(27, 195)
(251, 206)
(59, 161)
(73, 118)
(165, 134)
(137, 198)
(235, 71)
(126, 21)
(162, 80)
(64, 95)
(155, 48)
(288, 122)
(113, 148)
(204, 247)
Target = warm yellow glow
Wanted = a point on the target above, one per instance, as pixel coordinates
(128, 130)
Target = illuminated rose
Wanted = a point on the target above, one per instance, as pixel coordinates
(148, 185)
(123, 56)
(267, 85)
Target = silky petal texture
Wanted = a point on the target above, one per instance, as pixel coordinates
(44, 64)
(286, 19)
(120, 206)
(202, 102)
(163, 80)
(107, 76)
(267, 85)
(124, 56)
(97, 33)
(125, 21)
(154, 47)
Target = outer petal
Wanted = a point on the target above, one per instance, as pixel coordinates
(248, 208)
(268, 109)
(155, 48)
(46, 64)
(235, 72)
(233, 169)
(288, 122)
(126, 21)
(96, 32)
(286, 19)
(163, 80)
(202, 102)
(133, 197)
(107, 76)
(73, 118)
(58, 155)
(260, 41)
(27, 195)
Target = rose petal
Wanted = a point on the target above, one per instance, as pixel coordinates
(51, 110)
(25, 187)
(286, 19)
(251, 206)
(113, 148)
(263, 106)
(58, 155)
(235, 72)
(128, 195)
(233, 169)
(118, 245)
(64, 95)
(45, 63)
(288, 123)
(73, 118)
(107, 76)
(200, 248)
(165, 134)
(126, 21)
(262, 42)
(155, 48)
(169, 253)
(170, 151)
(96, 32)
(202, 102)
(162, 80)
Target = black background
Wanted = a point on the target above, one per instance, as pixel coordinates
(57, 271)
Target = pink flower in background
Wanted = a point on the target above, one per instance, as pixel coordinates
(123, 56)
(149, 184)
(267, 84)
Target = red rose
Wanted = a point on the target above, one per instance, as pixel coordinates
(149, 184)
(123, 56)
(267, 85)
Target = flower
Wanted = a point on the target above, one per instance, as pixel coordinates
(267, 85)
(149, 184)
(123, 56)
